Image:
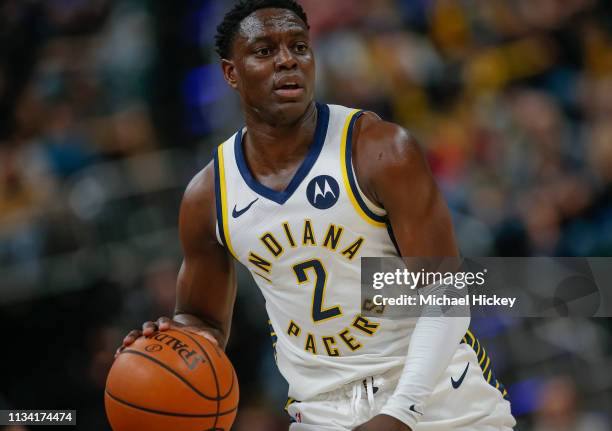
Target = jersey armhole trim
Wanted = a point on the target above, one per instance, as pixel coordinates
(356, 196)
(484, 361)
(221, 200)
(218, 236)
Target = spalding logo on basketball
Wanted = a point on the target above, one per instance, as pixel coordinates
(171, 381)
(323, 192)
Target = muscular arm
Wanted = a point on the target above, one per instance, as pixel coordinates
(400, 181)
(392, 171)
(206, 285)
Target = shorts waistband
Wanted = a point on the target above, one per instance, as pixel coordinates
(380, 383)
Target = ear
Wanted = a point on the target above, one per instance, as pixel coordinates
(229, 73)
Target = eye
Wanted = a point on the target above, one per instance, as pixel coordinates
(301, 47)
(264, 52)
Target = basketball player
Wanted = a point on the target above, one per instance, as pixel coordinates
(298, 196)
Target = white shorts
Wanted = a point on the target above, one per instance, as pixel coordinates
(475, 405)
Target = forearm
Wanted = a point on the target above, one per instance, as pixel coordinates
(434, 342)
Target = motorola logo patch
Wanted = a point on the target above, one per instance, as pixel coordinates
(323, 192)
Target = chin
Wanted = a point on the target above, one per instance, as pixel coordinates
(289, 112)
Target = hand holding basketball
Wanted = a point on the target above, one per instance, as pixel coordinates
(171, 380)
(163, 324)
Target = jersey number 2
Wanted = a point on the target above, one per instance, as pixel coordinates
(318, 312)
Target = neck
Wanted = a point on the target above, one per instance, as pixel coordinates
(272, 146)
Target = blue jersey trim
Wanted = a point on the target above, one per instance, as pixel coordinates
(218, 197)
(315, 149)
(392, 237)
(349, 172)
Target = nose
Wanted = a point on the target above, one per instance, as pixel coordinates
(285, 59)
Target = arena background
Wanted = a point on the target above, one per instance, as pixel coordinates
(108, 108)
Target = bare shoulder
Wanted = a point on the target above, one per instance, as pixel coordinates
(198, 216)
(201, 188)
(383, 152)
(387, 143)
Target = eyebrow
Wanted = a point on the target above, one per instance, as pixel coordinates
(293, 32)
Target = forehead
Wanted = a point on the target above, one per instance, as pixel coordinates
(266, 22)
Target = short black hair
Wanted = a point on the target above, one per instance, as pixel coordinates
(226, 31)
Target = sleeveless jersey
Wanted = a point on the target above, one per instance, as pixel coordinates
(303, 247)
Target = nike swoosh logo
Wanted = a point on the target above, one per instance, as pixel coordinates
(237, 214)
(457, 383)
(411, 408)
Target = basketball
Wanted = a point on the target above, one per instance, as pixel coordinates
(173, 380)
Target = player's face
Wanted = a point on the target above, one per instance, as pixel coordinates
(272, 65)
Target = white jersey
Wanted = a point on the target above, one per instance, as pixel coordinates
(303, 247)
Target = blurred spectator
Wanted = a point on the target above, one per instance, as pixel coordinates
(559, 410)
(157, 295)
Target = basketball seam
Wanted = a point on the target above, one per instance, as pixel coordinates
(224, 396)
(167, 368)
(160, 412)
(214, 372)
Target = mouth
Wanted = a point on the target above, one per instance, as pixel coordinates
(288, 89)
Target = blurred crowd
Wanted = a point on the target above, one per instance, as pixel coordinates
(513, 101)
(108, 107)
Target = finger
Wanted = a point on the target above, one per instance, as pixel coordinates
(164, 323)
(118, 351)
(148, 328)
(131, 337)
